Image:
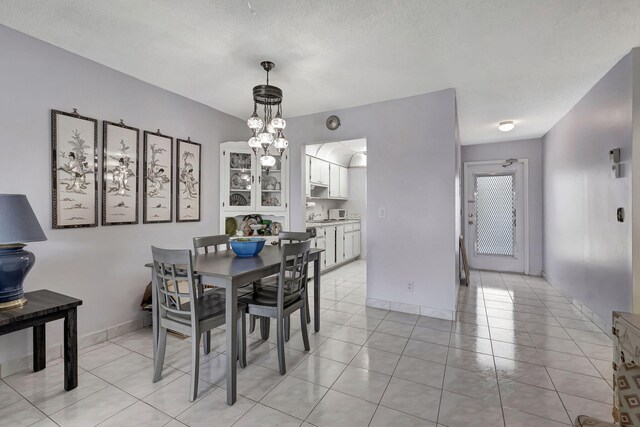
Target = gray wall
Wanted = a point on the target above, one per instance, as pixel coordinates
(530, 149)
(103, 266)
(411, 173)
(587, 253)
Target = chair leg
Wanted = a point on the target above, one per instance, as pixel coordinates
(303, 327)
(287, 328)
(242, 339)
(306, 303)
(195, 365)
(264, 328)
(206, 337)
(162, 346)
(252, 323)
(280, 344)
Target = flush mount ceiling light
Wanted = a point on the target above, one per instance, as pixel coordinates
(506, 126)
(268, 129)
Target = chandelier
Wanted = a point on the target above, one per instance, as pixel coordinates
(268, 129)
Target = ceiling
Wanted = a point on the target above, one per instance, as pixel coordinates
(347, 153)
(524, 60)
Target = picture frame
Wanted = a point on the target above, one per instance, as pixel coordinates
(74, 160)
(120, 173)
(188, 180)
(157, 204)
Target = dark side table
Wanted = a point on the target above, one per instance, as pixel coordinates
(45, 306)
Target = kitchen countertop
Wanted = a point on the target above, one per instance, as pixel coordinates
(332, 222)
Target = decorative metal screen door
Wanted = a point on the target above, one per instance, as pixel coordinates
(494, 225)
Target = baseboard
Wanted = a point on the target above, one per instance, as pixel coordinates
(599, 322)
(16, 365)
(411, 308)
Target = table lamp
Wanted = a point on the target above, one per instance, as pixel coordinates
(18, 225)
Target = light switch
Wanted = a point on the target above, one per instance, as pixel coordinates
(382, 213)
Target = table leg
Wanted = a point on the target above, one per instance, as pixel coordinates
(231, 309)
(316, 295)
(71, 349)
(39, 348)
(155, 321)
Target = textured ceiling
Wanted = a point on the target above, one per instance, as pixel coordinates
(524, 60)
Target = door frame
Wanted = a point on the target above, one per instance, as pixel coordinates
(525, 214)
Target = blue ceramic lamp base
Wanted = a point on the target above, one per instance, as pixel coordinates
(15, 263)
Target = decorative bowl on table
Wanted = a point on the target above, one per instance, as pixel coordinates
(247, 246)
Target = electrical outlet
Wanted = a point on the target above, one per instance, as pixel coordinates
(409, 286)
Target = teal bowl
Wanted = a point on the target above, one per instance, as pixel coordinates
(247, 246)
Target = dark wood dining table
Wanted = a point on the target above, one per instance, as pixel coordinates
(226, 270)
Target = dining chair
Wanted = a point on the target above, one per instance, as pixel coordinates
(283, 295)
(207, 244)
(186, 311)
(283, 237)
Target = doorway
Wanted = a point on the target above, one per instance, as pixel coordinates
(496, 203)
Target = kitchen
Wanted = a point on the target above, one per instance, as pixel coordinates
(336, 196)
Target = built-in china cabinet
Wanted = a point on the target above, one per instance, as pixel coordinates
(246, 188)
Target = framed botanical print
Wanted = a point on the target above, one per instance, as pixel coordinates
(119, 174)
(74, 148)
(157, 204)
(188, 166)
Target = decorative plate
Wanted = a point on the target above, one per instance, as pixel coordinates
(238, 200)
(236, 181)
(230, 226)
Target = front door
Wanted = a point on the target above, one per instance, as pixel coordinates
(494, 217)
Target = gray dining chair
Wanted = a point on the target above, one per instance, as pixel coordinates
(184, 310)
(208, 244)
(284, 295)
(284, 237)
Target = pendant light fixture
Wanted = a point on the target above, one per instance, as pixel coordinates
(267, 128)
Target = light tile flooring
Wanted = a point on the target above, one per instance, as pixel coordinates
(518, 355)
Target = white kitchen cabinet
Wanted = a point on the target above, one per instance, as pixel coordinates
(340, 244)
(357, 249)
(344, 182)
(334, 180)
(330, 246)
(348, 245)
(319, 171)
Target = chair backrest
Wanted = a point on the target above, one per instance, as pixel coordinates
(292, 237)
(293, 269)
(207, 243)
(173, 270)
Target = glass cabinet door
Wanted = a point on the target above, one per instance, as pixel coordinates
(272, 186)
(240, 179)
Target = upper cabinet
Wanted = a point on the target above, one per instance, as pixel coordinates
(246, 186)
(344, 182)
(323, 176)
(319, 171)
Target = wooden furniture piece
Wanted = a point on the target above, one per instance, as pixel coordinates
(465, 262)
(208, 243)
(283, 295)
(226, 270)
(247, 188)
(190, 312)
(45, 306)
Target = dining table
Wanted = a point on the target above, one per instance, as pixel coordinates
(226, 270)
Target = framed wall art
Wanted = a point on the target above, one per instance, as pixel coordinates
(188, 172)
(157, 204)
(119, 174)
(74, 148)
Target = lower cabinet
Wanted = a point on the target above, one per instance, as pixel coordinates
(341, 243)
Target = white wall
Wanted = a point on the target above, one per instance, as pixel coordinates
(411, 172)
(587, 252)
(103, 266)
(530, 149)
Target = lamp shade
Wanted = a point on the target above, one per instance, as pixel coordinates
(18, 223)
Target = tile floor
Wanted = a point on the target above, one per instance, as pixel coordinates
(518, 355)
